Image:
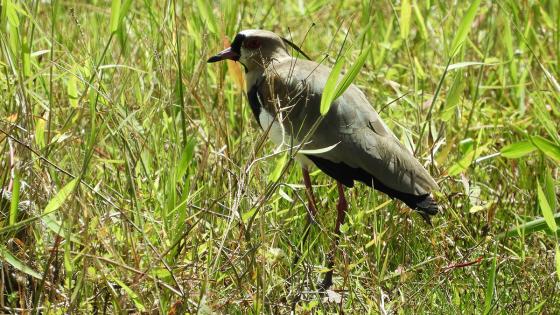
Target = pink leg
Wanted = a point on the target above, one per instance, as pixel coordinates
(341, 208)
(311, 212)
(309, 192)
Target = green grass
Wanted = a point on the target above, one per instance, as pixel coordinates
(144, 181)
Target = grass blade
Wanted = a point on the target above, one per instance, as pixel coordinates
(490, 285)
(352, 73)
(405, 18)
(115, 14)
(275, 174)
(330, 87)
(124, 9)
(466, 64)
(464, 28)
(186, 159)
(549, 190)
(548, 148)
(72, 89)
(557, 261)
(50, 221)
(61, 196)
(133, 296)
(318, 151)
(332, 90)
(529, 227)
(11, 13)
(420, 21)
(517, 150)
(542, 112)
(546, 210)
(14, 204)
(207, 15)
(40, 125)
(8, 257)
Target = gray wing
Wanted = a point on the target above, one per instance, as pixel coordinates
(363, 141)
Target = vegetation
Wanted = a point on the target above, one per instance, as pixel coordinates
(135, 179)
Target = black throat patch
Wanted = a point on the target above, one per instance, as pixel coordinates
(255, 101)
(237, 42)
(236, 47)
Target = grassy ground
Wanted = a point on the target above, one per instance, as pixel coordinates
(134, 178)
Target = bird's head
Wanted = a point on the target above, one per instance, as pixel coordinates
(255, 49)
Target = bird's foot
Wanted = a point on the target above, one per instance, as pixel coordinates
(326, 283)
(426, 217)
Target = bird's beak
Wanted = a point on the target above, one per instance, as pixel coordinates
(227, 53)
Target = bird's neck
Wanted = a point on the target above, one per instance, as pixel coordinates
(256, 70)
(252, 77)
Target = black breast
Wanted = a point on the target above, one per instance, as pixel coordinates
(254, 101)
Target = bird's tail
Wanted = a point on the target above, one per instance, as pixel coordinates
(426, 207)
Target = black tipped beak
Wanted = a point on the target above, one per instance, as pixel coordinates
(227, 53)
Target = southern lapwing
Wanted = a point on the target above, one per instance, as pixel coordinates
(284, 93)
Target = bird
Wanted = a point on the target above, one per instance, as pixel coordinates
(350, 143)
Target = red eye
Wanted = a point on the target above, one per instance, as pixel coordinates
(252, 43)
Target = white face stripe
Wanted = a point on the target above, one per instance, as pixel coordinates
(248, 33)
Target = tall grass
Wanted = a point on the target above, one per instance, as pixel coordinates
(134, 178)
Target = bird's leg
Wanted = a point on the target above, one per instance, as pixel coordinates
(312, 205)
(312, 208)
(341, 208)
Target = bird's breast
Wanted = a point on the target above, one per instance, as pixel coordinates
(276, 131)
(278, 135)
